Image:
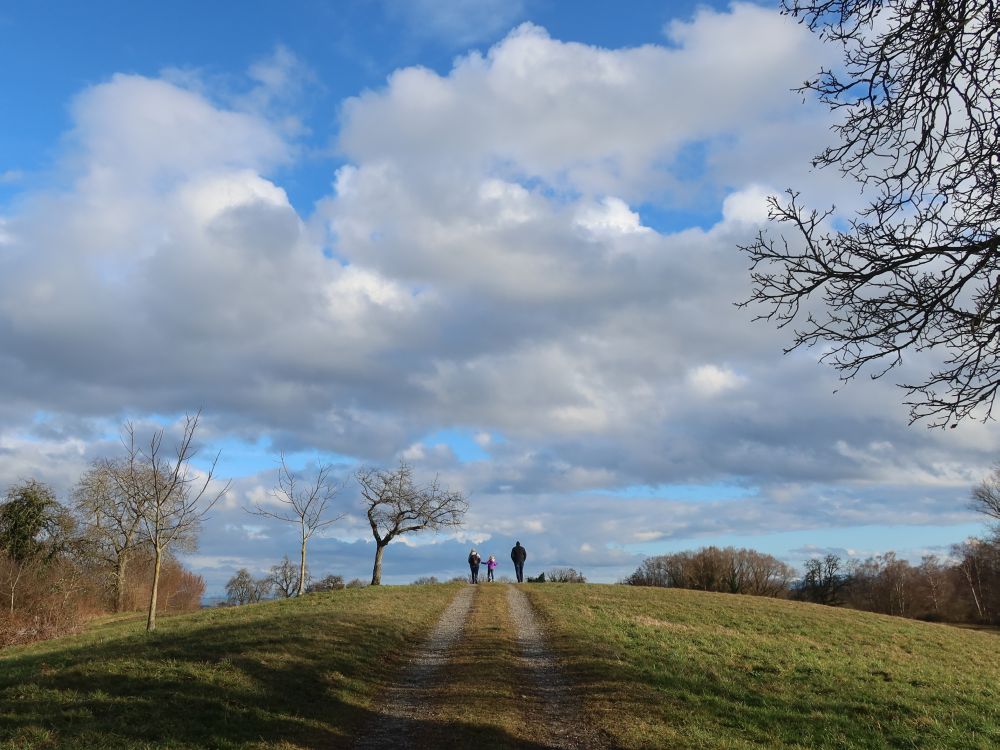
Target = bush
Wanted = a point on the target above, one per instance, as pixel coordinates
(425, 580)
(565, 575)
(356, 583)
(53, 599)
(327, 583)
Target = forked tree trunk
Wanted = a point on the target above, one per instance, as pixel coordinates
(377, 570)
(151, 619)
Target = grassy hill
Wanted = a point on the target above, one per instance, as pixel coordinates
(655, 668)
(286, 674)
(671, 668)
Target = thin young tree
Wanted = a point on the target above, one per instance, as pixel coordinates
(111, 508)
(304, 503)
(397, 505)
(916, 269)
(173, 496)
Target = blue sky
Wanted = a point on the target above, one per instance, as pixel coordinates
(350, 46)
(494, 239)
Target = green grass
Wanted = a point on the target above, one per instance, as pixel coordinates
(655, 668)
(295, 673)
(682, 669)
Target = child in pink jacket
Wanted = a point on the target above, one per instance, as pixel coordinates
(491, 565)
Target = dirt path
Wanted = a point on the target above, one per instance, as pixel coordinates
(484, 678)
(559, 720)
(402, 708)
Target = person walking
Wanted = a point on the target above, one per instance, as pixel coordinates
(519, 555)
(491, 565)
(474, 560)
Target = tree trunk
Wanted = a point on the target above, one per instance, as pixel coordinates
(13, 586)
(120, 565)
(302, 569)
(377, 570)
(151, 619)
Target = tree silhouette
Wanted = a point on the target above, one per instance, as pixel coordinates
(917, 269)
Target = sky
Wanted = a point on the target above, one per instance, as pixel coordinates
(495, 239)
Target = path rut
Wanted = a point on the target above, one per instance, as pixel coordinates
(402, 706)
(561, 724)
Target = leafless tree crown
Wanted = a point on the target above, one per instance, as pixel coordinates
(397, 505)
(304, 503)
(986, 495)
(918, 268)
(173, 497)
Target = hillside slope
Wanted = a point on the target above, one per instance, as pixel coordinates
(652, 668)
(671, 668)
(287, 674)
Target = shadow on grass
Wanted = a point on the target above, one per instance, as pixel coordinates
(221, 685)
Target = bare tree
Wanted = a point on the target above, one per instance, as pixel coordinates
(305, 504)
(111, 510)
(986, 495)
(329, 582)
(396, 505)
(916, 269)
(823, 582)
(243, 588)
(284, 578)
(173, 497)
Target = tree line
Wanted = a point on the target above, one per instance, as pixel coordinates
(113, 545)
(962, 588)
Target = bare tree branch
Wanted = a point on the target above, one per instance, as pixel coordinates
(395, 505)
(170, 496)
(304, 504)
(918, 269)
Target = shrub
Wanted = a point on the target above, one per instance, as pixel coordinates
(565, 575)
(326, 583)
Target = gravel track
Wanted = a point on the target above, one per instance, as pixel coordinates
(402, 707)
(560, 724)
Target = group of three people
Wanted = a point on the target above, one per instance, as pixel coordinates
(517, 555)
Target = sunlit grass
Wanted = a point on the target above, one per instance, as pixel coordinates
(682, 669)
(655, 669)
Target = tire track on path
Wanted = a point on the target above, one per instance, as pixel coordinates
(402, 708)
(561, 725)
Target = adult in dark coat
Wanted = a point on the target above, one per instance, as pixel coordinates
(519, 555)
(474, 560)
